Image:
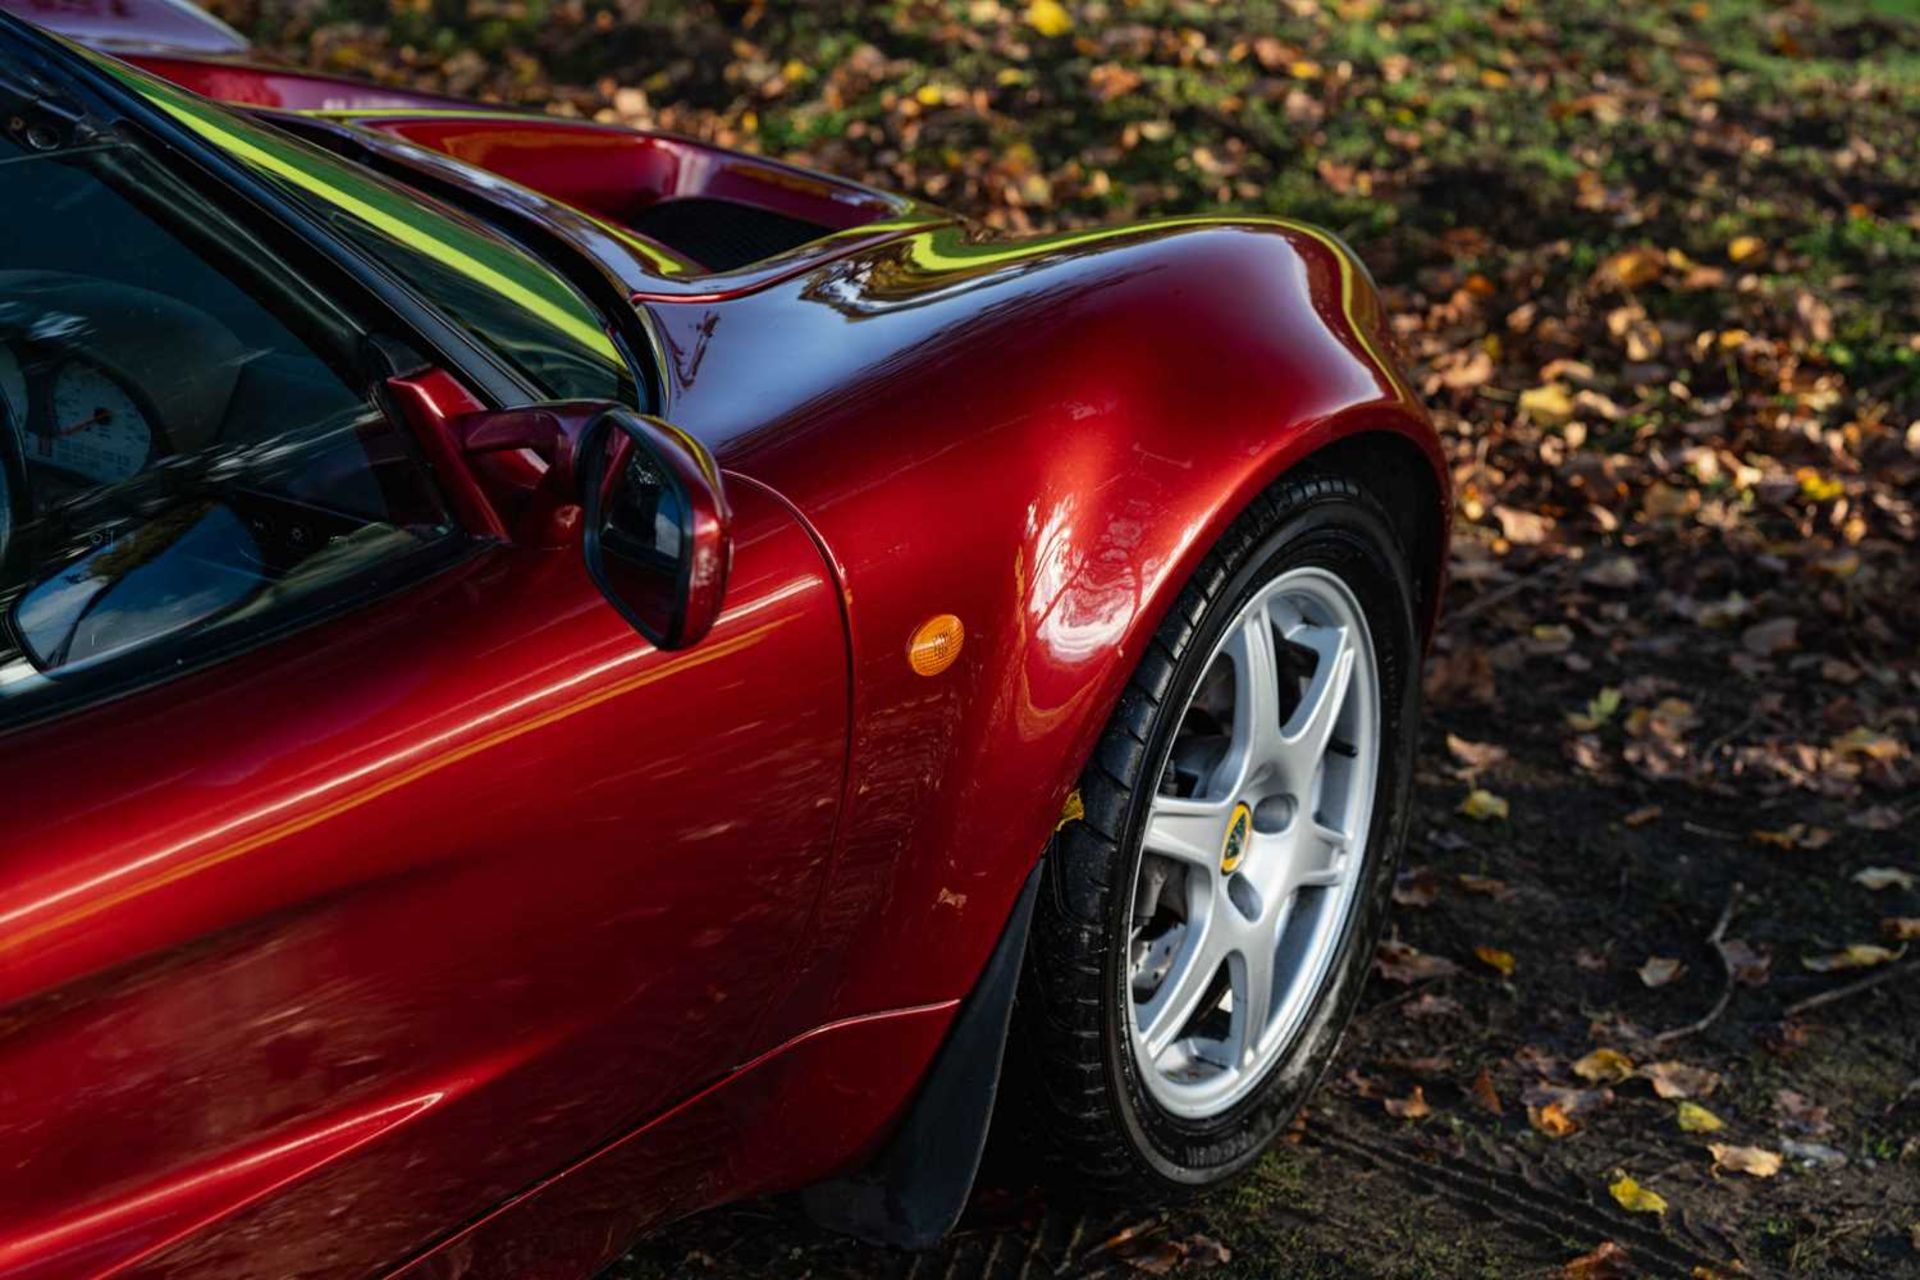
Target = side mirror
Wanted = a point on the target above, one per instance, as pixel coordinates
(658, 535)
(641, 498)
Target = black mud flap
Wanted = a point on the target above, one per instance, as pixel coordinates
(913, 1192)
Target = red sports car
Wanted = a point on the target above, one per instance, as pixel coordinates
(555, 676)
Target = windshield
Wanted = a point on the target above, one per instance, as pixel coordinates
(514, 304)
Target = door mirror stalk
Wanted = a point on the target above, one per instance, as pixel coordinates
(640, 498)
(539, 501)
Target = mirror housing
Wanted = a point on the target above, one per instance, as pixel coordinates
(657, 535)
(641, 498)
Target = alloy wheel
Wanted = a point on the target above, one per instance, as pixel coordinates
(1252, 844)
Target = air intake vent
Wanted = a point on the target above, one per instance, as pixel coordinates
(723, 234)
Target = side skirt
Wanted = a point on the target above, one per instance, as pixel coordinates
(913, 1192)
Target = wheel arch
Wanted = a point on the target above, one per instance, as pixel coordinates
(1402, 476)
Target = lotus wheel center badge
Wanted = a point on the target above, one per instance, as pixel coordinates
(1239, 827)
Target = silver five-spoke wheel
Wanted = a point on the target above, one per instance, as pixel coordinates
(1253, 843)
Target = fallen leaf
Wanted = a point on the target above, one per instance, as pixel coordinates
(1678, 1080)
(1634, 1198)
(1863, 741)
(1465, 676)
(1485, 886)
(1901, 928)
(1483, 1093)
(1753, 1161)
(1494, 958)
(1878, 817)
(1574, 1104)
(1664, 501)
(1641, 817)
(1399, 962)
(1429, 1004)
(1658, 971)
(1127, 1240)
(1549, 405)
(1522, 528)
(1483, 806)
(1156, 1258)
(1694, 1118)
(1049, 17)
(1815, 487)
(1801, 1114)
(1607, 1262)
(1669, 719)
(1552, 1119)
(1632, 268)
(1772, 637)
(1745, 248)
(1797, 836)
(1750, 967)
(1204, 1252)
(1618, 573)
(1877, 878)
(1600, 709)
(1720, 614)
(1551, 637)
(1536, 1060)
(1604, 1065)
(1412, 1107)
(1861, 955)
(1416, 887)
(1475, 755)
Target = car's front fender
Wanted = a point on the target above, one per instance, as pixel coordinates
(1044, 439)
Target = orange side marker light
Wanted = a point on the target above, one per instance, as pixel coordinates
(935, 645)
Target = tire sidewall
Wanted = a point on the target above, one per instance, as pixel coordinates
(1341, 535)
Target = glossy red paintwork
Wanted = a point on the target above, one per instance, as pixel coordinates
(1096, 413)
(246, 81)
(615, 172)
(396, 918)
(467, 934)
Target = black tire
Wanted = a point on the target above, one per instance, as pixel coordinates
(1072, 1044)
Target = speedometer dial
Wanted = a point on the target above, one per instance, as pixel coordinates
(97, 430)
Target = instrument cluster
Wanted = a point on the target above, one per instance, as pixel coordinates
(67, 425)
(70, 415)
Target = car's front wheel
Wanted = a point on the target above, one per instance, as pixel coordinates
(1211, 914)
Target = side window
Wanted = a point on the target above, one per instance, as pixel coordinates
(188, 457)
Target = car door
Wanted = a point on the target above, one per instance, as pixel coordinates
(356, 870)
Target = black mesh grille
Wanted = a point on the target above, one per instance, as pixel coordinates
(723, 234)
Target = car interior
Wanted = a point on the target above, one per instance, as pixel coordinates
(183, 443)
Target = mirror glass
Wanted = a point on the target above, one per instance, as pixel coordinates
(638, 532)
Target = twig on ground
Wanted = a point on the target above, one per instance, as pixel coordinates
(1500, 595)
(1712, 747)
(1716, 938)
(1888, 974)
(1401, 997)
